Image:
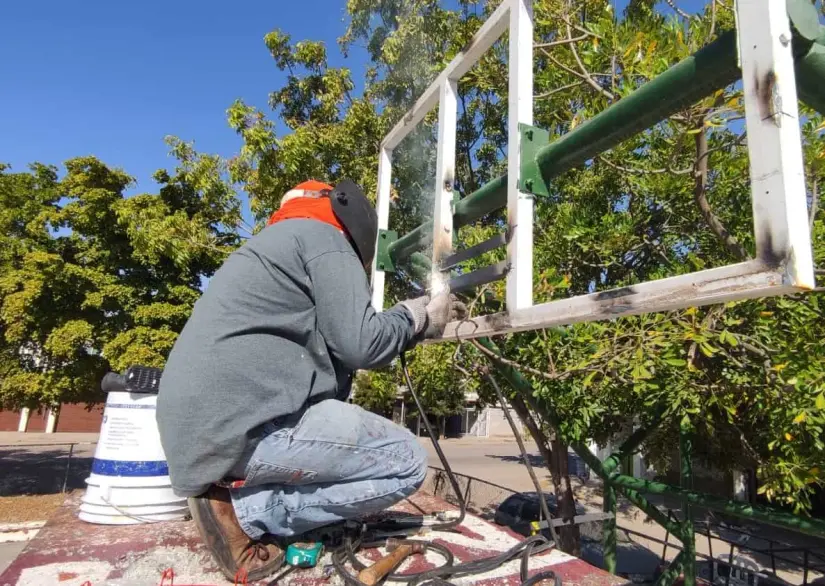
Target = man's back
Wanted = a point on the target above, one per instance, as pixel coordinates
(282, 325)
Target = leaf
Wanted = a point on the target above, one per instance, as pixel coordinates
(727, 338)
(676, 361)
(820, 401)
(650, 48)
(800, 418)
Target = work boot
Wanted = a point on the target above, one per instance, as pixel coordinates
(231, 548)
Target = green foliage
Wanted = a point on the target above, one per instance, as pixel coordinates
(440, 386)
(376, 390)
(92, 280)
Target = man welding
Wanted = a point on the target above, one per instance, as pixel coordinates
(252, 407)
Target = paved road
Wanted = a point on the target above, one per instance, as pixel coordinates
(9, 551)
(496, 461)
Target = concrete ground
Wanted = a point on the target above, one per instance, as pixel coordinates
(38, 464)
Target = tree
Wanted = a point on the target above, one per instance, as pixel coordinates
(92, 280)
(439, 385)
(376, 390)
(670, 200)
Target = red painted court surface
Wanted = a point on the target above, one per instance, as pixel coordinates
(69, 552)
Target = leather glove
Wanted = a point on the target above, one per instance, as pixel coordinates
(432, 314)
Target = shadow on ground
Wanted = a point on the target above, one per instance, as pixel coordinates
(44, 471)
(632, 559)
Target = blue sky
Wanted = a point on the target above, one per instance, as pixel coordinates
(113, 78)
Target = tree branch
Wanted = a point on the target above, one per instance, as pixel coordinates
(712, 20)
(814, 203)
(469, 148)
(678, 10)
(501, 359)
(583, 69)
(561, 42)
(643, 171)
(557, 90)
(562, 65)
(700, 174)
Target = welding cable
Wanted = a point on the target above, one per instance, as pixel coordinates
(437, 576)
(453, 482)
(540, 577)
(347, 552)
(526, 580)
(524, 549)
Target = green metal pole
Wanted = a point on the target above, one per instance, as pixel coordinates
(672, 572)
(686, 480)
(710, 69)
(706, 71)
(765, 515)
(609, 536)
(810, 77)
(413, 240)
(631, 444)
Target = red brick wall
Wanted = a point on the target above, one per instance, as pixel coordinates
(37, 420)
(76, 418)
(72, 418)
(9, 420)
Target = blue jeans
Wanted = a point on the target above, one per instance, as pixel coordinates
(332, 462)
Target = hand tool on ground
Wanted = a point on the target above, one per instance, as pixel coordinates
(304, 554)
(399, 551)
(300, 555)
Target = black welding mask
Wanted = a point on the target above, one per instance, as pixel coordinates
(355, 212)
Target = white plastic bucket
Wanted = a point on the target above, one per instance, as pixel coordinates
(129, 483)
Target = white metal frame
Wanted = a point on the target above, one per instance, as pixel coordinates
(784, 262)
(443, 93)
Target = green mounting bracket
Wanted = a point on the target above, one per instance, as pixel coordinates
(383, 260)
(530, 180)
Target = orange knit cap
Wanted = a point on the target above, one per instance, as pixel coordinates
(313, 185)
(307, 200)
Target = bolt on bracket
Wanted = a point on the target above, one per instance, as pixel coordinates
(383, 261)
(532, 138)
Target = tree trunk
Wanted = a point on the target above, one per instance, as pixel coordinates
(570, 536)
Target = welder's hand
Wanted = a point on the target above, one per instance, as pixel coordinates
(432, 314)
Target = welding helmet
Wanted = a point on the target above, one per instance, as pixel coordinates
(355, 212)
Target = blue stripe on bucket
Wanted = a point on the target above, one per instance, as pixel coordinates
(127, 406)
(130, 468)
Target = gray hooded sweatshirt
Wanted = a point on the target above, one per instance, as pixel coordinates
(283, 324)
